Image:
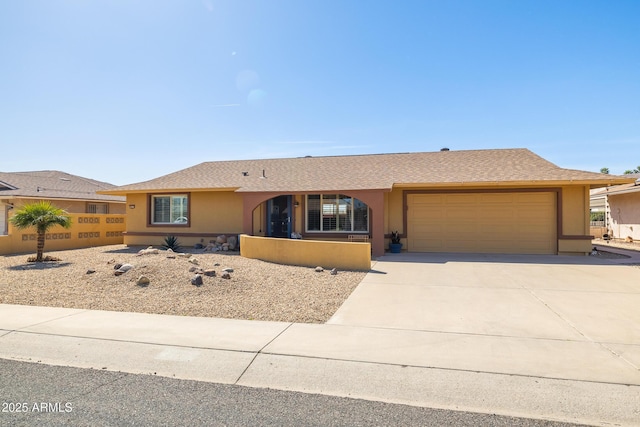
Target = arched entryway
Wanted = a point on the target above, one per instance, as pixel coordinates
(259, 223)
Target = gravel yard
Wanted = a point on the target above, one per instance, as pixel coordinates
(257, 290)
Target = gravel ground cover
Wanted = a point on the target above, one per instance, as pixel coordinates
(617, 244)
(257, 290)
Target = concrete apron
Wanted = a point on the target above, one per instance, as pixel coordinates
(545, 337)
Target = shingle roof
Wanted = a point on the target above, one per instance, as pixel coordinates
(374, 171)
(53, 185)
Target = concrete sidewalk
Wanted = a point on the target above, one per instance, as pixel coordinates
(525, 346)
(411, 367)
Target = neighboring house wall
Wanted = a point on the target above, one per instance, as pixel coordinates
(624, 215)
(87, 230)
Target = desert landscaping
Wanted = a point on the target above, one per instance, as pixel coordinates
(251, 289)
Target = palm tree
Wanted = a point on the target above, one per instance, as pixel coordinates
(42, 215)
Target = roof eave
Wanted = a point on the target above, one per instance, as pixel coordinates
(625, 191)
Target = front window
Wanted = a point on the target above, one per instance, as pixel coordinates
(336, 213)
(170, 209)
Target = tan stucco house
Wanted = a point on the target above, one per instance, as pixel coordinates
(487, 201)
(104, 214)
(621, 207)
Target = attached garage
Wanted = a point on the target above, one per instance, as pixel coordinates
(522, 222)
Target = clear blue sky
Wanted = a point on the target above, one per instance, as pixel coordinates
(125, 91)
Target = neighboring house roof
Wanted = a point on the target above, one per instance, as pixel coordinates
(374, 171)
(53, 185)
(619, 189)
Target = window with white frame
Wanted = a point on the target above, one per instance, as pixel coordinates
(336, 213)
(170, 209)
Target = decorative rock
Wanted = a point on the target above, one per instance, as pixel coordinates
(123, 269)
(319, 269)
(210, 273)
(217, 264)
(233, 242)
(117, 266)
(90, 271)
(211, 247)
(143, 281)
(193, 260)
(183, 255)
(198, 246)
(227, 270)
(225, 246)
(196, 280)
(221, 239)
(334, 271)
(171, 256)
(149, 250)
(226, 276)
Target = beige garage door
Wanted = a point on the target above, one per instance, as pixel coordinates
(482, 222)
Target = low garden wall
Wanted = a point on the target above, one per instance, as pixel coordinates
(87, 230)
(308, 253)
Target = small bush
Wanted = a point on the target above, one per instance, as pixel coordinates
(171, 242)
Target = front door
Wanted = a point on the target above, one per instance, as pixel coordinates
(279, 216)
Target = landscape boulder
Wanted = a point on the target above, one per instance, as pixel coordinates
(233, 242)
(123, 269)
(148, 251)
(196, 280)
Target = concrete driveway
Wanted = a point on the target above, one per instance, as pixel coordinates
(560, 317)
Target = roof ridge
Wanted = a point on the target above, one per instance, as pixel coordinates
(363, 155)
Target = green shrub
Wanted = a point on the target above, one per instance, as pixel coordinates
(171, 242)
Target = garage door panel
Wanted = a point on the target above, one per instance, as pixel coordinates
(482, 222)
(460, 215)
(458, 199)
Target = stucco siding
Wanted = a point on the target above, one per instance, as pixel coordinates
(211, 213)
(575, 211)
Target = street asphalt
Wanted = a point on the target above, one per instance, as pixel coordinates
(544, 337)
(63, 396)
